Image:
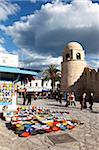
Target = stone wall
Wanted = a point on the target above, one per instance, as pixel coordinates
(87, 82)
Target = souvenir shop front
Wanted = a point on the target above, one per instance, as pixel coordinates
(9, 79)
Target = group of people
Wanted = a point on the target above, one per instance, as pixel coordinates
(84, 98)
(70, 98)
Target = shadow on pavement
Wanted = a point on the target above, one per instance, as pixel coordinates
(95, 112)
(8, 125)
(63, 106)
(59, 105)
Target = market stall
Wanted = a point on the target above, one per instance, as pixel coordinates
(9, 79)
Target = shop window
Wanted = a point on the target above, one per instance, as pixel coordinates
(78, 56)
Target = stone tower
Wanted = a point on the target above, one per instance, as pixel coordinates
(72, 66)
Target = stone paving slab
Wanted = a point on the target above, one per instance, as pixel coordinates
(86, 135)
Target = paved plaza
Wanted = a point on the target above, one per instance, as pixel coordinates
(86, 135)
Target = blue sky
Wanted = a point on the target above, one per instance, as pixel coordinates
(38, 30)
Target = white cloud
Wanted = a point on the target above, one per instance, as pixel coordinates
(6, 9)
(1, 40)
(93, 64)
(93, 60)
(34, 1)
(37, 61)
(41, 64)
(2, 49)
(50, 28)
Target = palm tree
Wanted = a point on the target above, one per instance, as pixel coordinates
(53, 74)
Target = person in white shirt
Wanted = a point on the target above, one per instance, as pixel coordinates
(72, 99)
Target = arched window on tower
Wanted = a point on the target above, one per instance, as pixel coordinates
(67, 56)
(78, 56)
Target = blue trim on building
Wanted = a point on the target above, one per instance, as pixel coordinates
(5, 103)
(17, 71)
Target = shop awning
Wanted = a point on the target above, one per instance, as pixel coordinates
(17, 71)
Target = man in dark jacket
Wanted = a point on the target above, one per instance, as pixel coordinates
(91, 98)
(24, 96)
(29, 98)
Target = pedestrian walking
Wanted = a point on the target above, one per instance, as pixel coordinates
(72, 99)
(83, 101)
(60, 95)
(29, 98)
(68, 100)
(24, 96)
(65, 97)
(91, 98)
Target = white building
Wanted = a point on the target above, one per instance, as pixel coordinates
(8, 60)
(38, 85)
